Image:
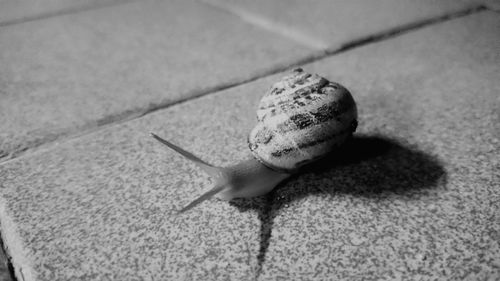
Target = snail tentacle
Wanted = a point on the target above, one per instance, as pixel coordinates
(219, 175)
(248, 178)
(207, 195)
(209, 169)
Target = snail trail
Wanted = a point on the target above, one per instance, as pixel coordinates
(369, 166)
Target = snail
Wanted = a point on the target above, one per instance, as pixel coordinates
(301, 118)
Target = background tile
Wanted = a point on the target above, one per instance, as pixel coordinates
(332, 24)
(71, 73)
(413, 196)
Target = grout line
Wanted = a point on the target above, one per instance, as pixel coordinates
(269, 25)
(64, 11)
(228, 85)
(115, 120)
(318, 55)
(400, 30)
(120, 118)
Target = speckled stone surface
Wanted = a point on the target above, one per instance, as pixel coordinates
(332, 24)
(426, 208)
(69, 73)
(413, 197)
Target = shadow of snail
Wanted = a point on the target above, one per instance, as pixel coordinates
(368, 166)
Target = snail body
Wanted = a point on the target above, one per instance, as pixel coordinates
(302, 118)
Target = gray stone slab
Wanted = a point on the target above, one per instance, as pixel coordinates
(69, 73)
(425, 208)
(332, 24)
(15, 11)
(414, 196)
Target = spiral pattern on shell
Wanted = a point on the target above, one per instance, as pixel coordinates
(301, 118)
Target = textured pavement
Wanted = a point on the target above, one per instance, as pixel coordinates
(111, 64)
(413, 196)
(333, 24)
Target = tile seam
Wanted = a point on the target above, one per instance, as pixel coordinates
(314, 56)
(264, 23)
(115, 120)
(406, 28)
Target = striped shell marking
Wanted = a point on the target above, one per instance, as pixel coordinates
(300, 119)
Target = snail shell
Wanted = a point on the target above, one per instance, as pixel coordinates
(302, 118)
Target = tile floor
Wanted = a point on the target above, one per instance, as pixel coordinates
(86, 194)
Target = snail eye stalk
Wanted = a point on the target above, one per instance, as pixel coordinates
(209, 169)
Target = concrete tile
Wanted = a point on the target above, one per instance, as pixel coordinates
(425, 208)
(413, 196)
(69, 73)
(104, 203)
(332, 24)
